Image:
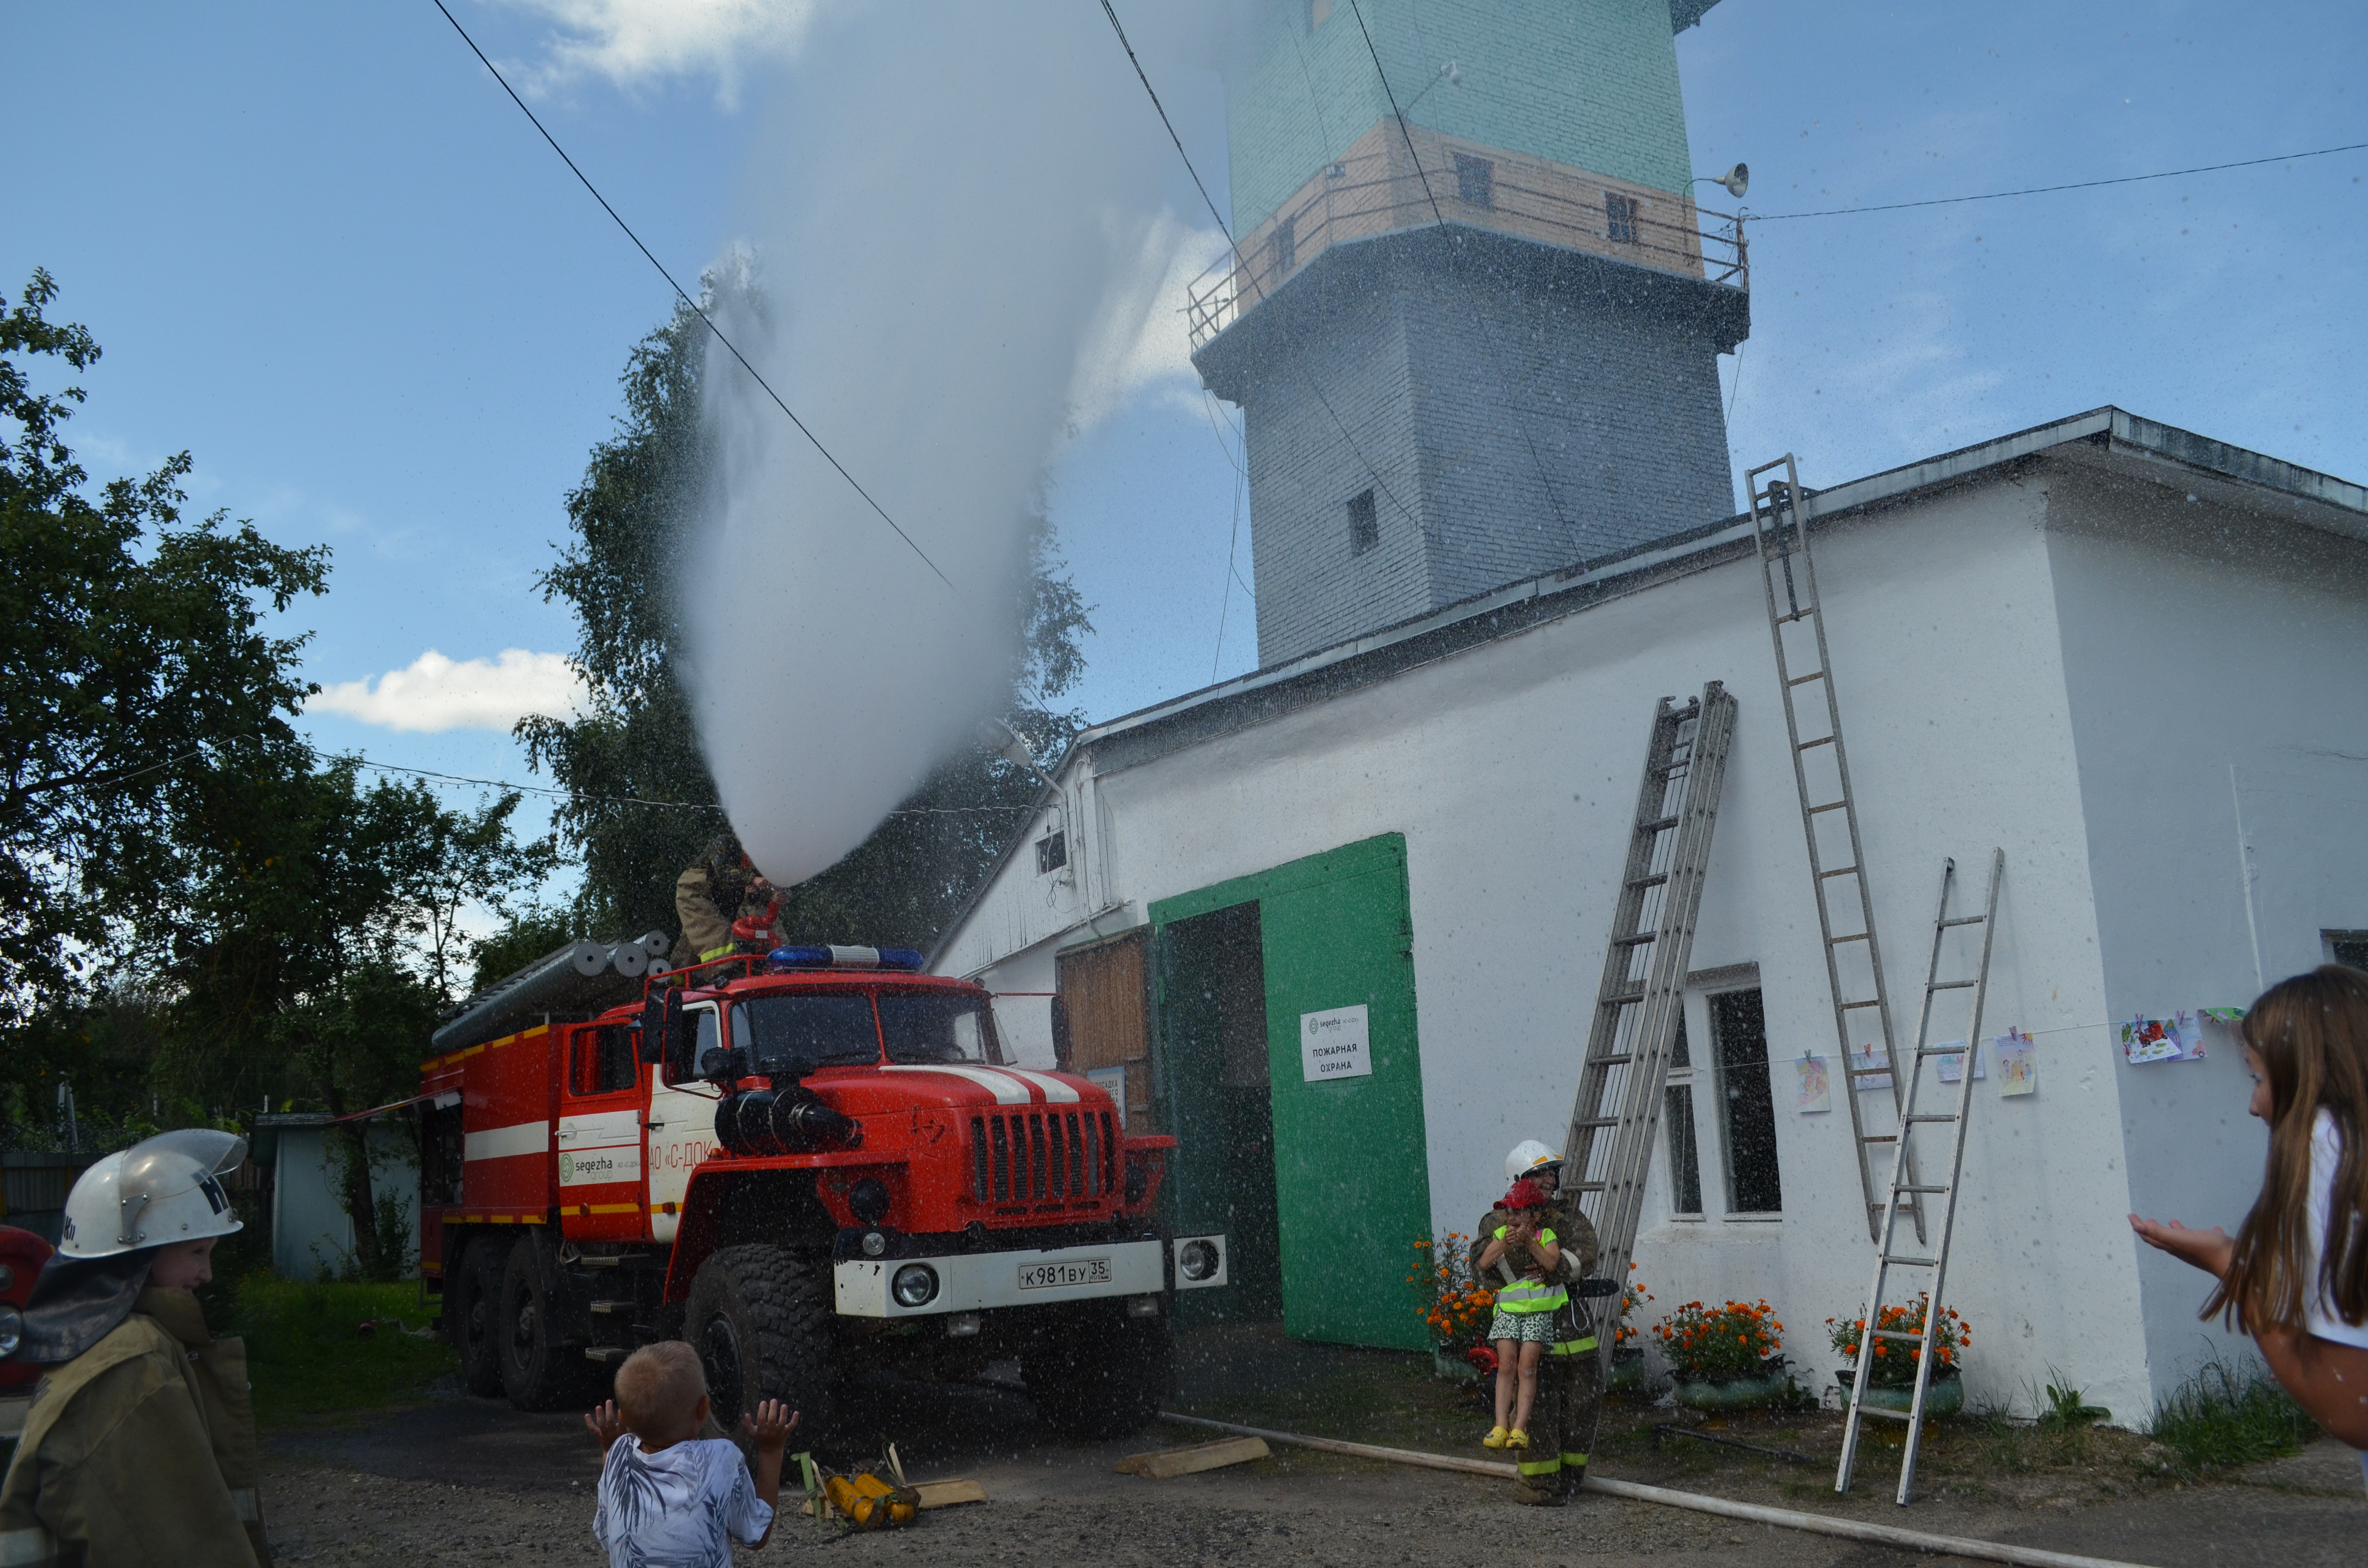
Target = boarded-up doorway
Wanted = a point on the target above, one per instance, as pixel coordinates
(1330, 938)
(1220, 1101)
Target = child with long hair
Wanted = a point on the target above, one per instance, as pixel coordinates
(2295, 1274)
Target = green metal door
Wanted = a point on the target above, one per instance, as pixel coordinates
(1353, 1187)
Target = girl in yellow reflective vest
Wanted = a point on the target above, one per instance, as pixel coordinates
(1525, 1310)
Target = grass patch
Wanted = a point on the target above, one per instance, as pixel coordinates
(2224, 1416)
(306, 1358)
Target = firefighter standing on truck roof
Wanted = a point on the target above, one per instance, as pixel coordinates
(723, 902)
(139, 1445)
(1570, 1377)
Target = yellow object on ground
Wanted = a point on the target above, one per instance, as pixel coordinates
(869, 1503)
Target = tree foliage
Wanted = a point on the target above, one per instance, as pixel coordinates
(198, 913)
(132, 661)
(632, 518)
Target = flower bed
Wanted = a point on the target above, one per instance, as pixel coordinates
(1892, 1361)
(1708, 1345)
(1724, 1358)
(1455, 1307)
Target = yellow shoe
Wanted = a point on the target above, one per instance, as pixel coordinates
(1517, 1439)
(1496, 1437)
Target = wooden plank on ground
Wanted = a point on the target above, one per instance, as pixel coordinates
(946, 1494)
(1170, 1462)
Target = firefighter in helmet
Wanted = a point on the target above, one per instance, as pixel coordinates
(139, 1447)
(726, 905)
(1570, 1377)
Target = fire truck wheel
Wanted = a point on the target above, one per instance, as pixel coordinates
(474, 1303)
(1094, 1373)
(538, 1371)
(760, 1317)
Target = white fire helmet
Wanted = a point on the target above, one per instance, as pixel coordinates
(161, 1190)
(1527, 1156)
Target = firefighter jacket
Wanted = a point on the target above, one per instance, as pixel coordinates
(139, 1451)
(707, 931)
(1575, 1233)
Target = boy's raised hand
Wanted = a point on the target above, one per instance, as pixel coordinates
(603, 1422)
(769, 1424)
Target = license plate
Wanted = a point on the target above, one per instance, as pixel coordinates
(1075, 1271)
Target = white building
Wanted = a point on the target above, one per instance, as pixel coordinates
(311, 1233)
(2129, 656)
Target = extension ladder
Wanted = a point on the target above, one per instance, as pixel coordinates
(1637, 1007)
(1789, 576)
(1903, 1181)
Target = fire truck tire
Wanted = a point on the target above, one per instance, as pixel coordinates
(1095, 1374)
(760, 1317)
(539, 1372)
(474, 1306)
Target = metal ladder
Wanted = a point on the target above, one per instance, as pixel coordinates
(1903, 1180)
(1637, 1007)
(1789, 576)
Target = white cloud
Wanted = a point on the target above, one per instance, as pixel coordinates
(1138, 340)
(635, 41)
(438, 693)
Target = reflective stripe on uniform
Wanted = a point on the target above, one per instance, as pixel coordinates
(1540, 1467)
(1578, 1460)
(1574, 1346)
(709, 955)
(247, 1505)
(32, 1548)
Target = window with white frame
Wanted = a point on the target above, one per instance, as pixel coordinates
(1746, 1099)
(1678, 1116)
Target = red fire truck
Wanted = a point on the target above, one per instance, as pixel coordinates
(804, 1164)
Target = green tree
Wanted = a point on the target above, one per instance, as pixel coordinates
(132, 660)
(314, 949)
(631, 520)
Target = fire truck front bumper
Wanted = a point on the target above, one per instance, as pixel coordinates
(969, 1282)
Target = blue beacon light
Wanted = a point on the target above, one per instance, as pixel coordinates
(819, 957)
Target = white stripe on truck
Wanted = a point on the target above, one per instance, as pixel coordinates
(502, 1142)
(1007, 1089)
(1055, 1091)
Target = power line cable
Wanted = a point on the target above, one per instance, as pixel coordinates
(361, 761)
(1406, 134)
(1242, 265)
(2044, 189)
(1359, 12)
(815, 440)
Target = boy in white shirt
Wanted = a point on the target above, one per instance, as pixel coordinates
(668, 1495)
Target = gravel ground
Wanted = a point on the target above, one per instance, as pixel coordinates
(466, 1482)
(472, 1483)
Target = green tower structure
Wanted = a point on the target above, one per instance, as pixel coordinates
(1472, 314)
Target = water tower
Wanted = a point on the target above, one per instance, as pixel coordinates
(1479, 345)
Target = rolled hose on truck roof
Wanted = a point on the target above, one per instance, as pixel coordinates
(583, 977)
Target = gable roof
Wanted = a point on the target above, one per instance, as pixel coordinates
(2108, 438)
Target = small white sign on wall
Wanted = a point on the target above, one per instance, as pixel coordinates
(1334, 1044)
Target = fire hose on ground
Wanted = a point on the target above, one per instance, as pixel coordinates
(1784, 1519)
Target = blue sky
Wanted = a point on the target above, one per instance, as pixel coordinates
(326, 254)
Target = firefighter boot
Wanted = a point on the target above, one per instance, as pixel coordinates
(1539, 1490)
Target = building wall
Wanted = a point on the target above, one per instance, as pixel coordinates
(311, 1231)
(2222, 730)
(1511, 770)
(1592, 83)
(1514, 408)
(1563, 409)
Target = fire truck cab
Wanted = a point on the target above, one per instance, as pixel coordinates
(807, 1164)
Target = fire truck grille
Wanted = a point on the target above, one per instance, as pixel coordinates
(1033, 1156)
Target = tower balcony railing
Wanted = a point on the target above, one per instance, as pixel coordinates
(1375, 187)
